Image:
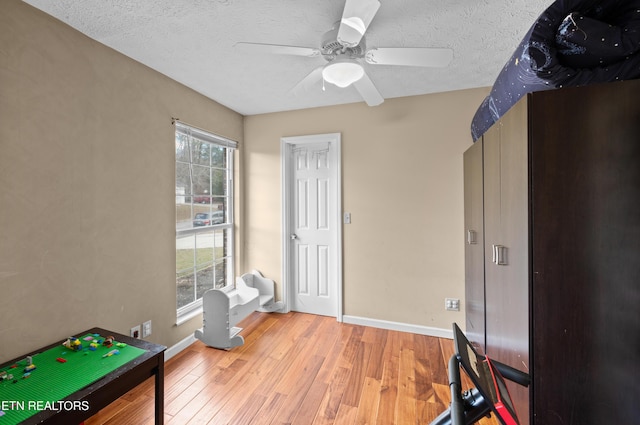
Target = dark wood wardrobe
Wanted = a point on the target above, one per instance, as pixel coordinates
(552, 257)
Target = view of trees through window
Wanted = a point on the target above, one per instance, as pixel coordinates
(204, 214)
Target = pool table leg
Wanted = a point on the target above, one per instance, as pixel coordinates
(159, 378)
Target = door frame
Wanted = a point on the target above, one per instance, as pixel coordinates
(286, 163)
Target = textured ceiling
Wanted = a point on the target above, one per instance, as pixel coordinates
(192, 41)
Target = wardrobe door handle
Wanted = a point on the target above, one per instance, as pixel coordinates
(501, 255)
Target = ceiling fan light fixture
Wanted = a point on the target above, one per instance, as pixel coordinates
(342, 73)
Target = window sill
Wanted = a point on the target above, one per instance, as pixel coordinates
(188, 315)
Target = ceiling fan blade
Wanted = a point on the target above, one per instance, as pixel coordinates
(278, 49)
(309, 81)
(368, 91)
(409, 56)
(356, 17)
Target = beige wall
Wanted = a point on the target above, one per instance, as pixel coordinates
(87, 191)
(87, 235)
(402, 183)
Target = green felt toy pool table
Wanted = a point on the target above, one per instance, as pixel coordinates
(69, 381)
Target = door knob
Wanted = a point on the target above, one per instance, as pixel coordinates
(293, 236)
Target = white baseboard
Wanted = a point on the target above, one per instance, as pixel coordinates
(177, 348)
(353, 320)
(397, 326)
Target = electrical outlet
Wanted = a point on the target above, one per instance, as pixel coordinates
(452, 304)
(146, 329)
(135, 332)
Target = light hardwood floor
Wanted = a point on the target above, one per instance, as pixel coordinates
(299, 369)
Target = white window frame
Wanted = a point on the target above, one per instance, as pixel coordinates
(194, 308)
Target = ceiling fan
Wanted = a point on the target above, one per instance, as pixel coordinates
(344, 49)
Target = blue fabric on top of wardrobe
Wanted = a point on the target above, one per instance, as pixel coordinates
(572, 43)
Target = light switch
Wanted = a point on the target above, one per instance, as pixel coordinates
(347, 218)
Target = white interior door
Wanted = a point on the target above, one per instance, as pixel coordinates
(312, 227)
